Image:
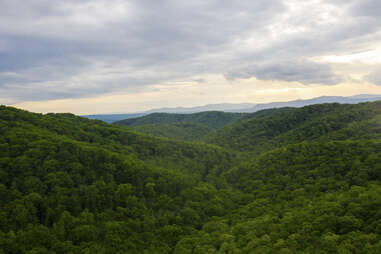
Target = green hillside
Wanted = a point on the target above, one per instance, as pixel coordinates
(189, 127)
(211, 119)
(321, 122)
(307, 181)
(304, 198)
(69, 184)
(186, 131)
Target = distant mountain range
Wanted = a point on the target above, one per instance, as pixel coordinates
(225, 107)
(110, 118)
(242, 107)
(318, 100)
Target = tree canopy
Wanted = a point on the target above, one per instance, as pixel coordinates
(301, 180)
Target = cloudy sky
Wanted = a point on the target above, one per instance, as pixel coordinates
(109, 56)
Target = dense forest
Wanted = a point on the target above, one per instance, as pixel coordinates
(189, 127)
(291, 180)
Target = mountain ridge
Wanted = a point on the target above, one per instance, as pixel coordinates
(236, 108)
(189, 127)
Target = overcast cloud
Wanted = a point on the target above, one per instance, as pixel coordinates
(53, 49)
(374, 77)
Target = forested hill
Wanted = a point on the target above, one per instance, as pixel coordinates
(211, 119)
(73, 185)
(321, 122)
(308, 181)
(189, 127)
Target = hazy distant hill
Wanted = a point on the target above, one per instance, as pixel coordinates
(253, 107)
(318, 100)
(226, 107)
(241, 107)
(110, 118)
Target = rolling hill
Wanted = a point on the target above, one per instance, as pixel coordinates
(302, 180)
(241, 107)
(210, 119)
(322, 122)
(189, 127)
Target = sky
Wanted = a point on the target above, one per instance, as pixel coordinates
(119, 56)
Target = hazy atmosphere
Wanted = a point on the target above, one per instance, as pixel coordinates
(115, 56)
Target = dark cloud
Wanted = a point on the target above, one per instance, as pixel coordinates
(366, 8)
(30, 52)
(62, 49)
(302, 71)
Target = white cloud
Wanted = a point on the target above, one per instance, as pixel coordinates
(78, 49)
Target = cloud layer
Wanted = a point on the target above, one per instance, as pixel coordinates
(51, 49)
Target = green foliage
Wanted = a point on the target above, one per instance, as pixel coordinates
(180, 131)
(189, 127)
(308, 182)
(321, 122)
(210, 119)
